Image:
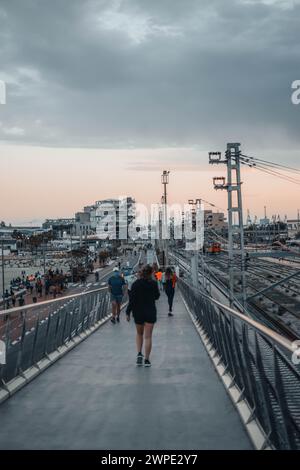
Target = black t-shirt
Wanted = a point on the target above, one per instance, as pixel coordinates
(144, 293)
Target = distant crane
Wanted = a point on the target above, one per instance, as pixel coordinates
(249, 221)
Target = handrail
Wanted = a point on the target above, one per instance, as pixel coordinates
(258, 366)
(286, 343)
(48, 302)
(258, 326)
(31, 336)
(33, 339)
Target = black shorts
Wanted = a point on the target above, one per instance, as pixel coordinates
(144, 317)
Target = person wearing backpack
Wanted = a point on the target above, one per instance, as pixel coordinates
(116, 285)
(170, 283)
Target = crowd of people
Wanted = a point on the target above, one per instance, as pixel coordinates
(35, 286)
(143, 291)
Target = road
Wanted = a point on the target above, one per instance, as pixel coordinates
(12, 324)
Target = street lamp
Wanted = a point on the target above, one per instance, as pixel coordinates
(165, 181)
(86, 248)
(165, 177)
(44, 256)
(196, 205)
(3, 281)
(71, 248)
(160, 229)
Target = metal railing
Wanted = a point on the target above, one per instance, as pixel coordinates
(258, 362)
(32, 332)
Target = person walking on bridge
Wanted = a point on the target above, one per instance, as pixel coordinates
(116, 285)
(144, 293)
(170, 283)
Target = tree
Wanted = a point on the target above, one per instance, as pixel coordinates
(103, 255)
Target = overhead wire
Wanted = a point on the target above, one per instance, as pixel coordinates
(269, 170)
(274, 164)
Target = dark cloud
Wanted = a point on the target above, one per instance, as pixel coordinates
(159, 73)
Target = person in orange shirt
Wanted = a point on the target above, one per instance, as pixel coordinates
(158, 276)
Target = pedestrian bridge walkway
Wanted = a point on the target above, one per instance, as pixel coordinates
(95, 397)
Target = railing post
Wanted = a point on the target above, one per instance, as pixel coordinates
(287, 429)
(36, 330)
(18, 368)
(58, 322)
(99, 304)
(73, 312)
(47, 334)
(65, 308)
(262, 388)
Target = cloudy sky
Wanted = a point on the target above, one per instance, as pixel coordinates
(104, 94)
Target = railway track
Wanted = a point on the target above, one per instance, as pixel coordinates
(257, 308)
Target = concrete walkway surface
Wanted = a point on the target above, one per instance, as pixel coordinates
(96, 398)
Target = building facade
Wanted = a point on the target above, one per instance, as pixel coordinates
(110, 218)
(214, 220)
(59, 226)
(293, 226)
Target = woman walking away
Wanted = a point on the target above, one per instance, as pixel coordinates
(170, 283)
(144, 293)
